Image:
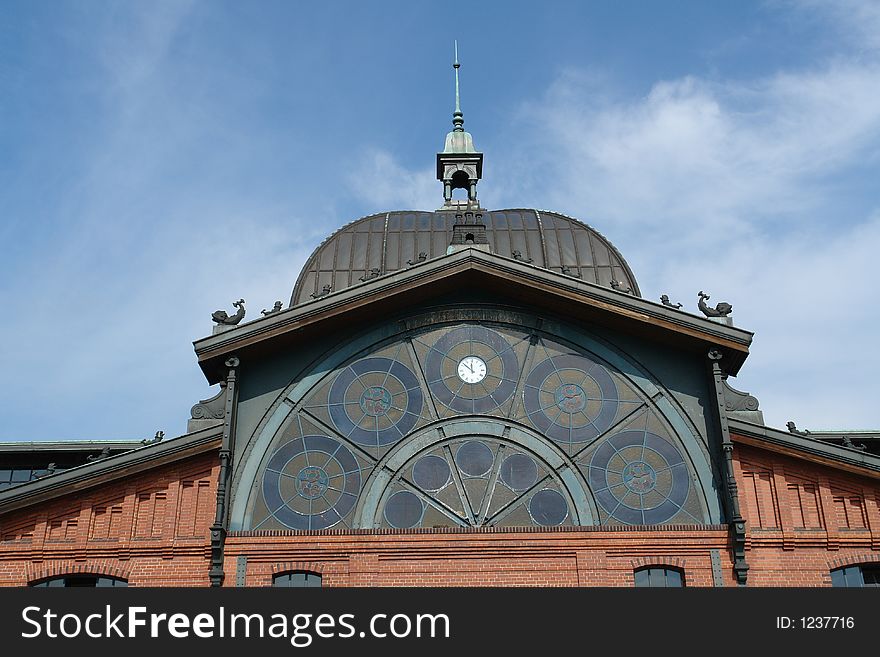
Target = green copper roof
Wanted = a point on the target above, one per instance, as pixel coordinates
(389, 241)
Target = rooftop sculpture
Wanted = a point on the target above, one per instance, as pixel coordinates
(723, 309)
(222, 317)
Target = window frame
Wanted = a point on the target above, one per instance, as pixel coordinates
(853, 575)
(651, 576)
(310, 579)
(61, 581)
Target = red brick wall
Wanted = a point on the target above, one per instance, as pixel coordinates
(587, 556)
(151, 529)
(804, 519)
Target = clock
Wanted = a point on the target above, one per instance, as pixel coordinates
(471, 369)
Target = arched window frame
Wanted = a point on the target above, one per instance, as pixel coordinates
(856, 575)
(297, 579)
(80, 580)
(659, 576)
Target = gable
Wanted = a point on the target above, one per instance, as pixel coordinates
(472, 269)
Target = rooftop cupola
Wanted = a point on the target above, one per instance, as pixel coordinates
(459, 166)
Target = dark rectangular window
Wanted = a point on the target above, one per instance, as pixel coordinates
(21, 475)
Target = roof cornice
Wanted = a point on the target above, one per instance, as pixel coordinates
(68, 445)
(110, 468)
(651, 316)
(805, 447)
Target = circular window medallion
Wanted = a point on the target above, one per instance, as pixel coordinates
(311, 482)
(431, 473)
(639, 477)
(375, 401)
(519, 472)
(403, 510)
(570, 398)
(474, 458)
(548, 508)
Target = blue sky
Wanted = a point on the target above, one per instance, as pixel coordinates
(159, 160)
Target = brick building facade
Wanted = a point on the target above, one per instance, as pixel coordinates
(461, 397)
(804, 519)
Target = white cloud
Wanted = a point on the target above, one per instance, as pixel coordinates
(118, 349)
(732, 186)
(729, 186)
(735, 187)
(104, 314)
(383, 183)
(693, 149)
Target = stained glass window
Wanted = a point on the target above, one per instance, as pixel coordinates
(475, 481)
(311, 482)
(375, 401)
(352, 430)
(452, 354)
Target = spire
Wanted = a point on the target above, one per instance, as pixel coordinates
(457, 116)
(459, 166)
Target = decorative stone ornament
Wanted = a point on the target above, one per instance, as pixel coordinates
(275, 309)
(723, 309)
(222, 317)
(323, 293)
(792, 428)
(155, 439)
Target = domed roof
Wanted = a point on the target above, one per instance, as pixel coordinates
(389, 241)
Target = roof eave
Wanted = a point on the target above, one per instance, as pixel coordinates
(213, 350)
(805, 447)
(68, 445)
(110, 468)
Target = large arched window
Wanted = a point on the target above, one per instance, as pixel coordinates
(300, 578)
(87, 581)
(659, 577)
(857, 576)
(474, 423)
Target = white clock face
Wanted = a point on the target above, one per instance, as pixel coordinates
(471, 369)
